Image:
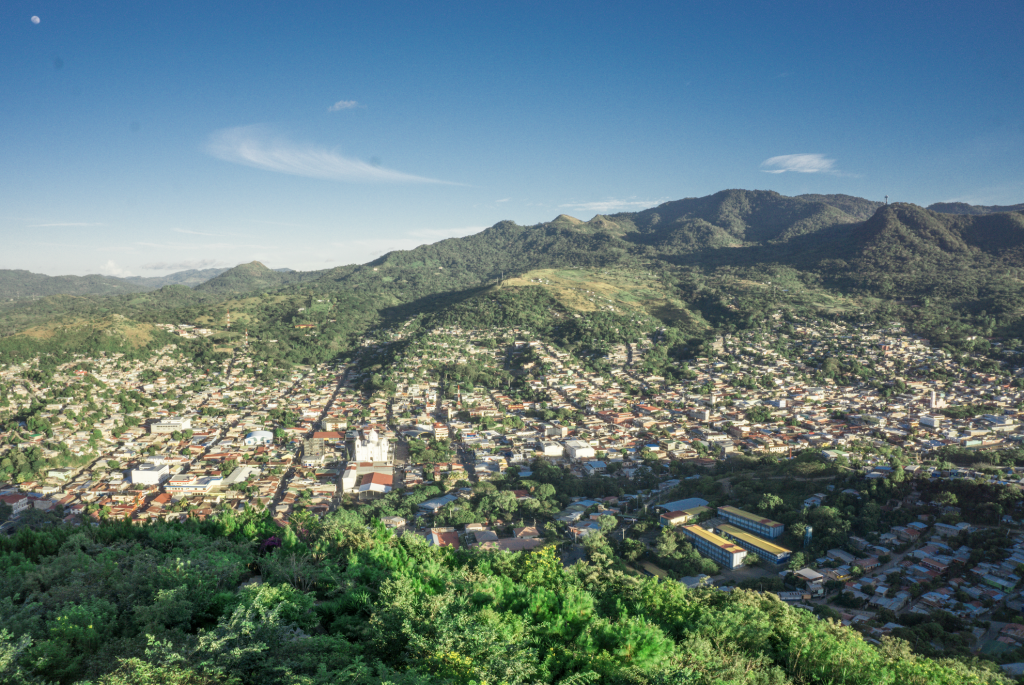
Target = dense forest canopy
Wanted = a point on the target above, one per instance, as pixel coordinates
(236, 599)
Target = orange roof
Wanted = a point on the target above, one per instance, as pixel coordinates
(447, 539)
(378, 479)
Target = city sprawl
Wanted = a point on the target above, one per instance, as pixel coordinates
(875, 502)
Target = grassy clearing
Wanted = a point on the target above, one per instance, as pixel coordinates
(137, 334)
(614, 290)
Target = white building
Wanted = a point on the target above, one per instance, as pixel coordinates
(188, 483)
(355, 476)
(549, 448)
(170, 424)
(578, 449)
(370, 446)
(350, 478)
(241, 474)
(18, 503)
(258, 438)
(931, 421)
(149, 473)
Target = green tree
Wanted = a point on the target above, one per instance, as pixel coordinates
(667, 544)
(770, 502)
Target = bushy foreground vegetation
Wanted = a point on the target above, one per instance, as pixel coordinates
(340, 603)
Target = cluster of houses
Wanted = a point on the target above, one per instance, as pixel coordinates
(705, 418)
(195, 440)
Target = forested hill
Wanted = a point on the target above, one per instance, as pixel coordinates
(254, 276)
(18, 284)
(964, 208)
(237, 600)
(707, 262)
(907, 232)
(191, 277)
(736, 217)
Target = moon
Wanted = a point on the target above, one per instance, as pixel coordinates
(35, 20)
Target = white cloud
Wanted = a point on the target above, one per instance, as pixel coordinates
(804, 164)
(189, 247)
(343, 104)
(188, 232)
(606, 206)
(253, 146)
(112, 269)
(184, 265)
(504, 199)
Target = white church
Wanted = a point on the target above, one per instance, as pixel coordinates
(370, 446)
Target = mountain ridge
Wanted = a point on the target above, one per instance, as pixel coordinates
(973, 210)
(950, 276)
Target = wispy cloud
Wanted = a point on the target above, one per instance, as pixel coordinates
(605, 206)
(112, 269)
(188, 232)
(253, 146)
(803, 164)
(506, 199)
(184, 265)
(63, 225)
(205, 246)
(277, 223)
(343, 104)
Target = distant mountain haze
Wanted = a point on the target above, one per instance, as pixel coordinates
(190, 277)
(18, 284)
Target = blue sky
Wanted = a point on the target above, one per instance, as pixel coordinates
(141, 138)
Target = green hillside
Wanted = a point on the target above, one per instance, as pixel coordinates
(252, 276)
(18, 284)
(191, 277)
(974, 210)
(716, 263)
(734, 217)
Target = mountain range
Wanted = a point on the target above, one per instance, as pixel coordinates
(706, 264)
(18, 284)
